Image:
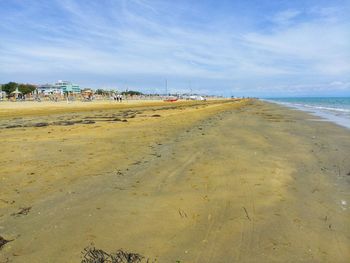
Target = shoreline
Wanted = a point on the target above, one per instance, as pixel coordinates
(194, 182)
(325, 114)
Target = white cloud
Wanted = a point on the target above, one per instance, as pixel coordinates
(320, 47)
(140, 37)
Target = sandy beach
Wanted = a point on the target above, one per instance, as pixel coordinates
(207, 181)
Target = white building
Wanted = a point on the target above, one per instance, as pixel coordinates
(48, 89)
(59, 88)
(2, 95)
(67, 87)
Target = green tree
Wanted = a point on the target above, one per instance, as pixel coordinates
(100, 91)
(132, 92)
(26, 88)
(9, 87)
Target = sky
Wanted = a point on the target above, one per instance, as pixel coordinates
(262, 48)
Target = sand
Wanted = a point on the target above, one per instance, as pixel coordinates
(217, 181)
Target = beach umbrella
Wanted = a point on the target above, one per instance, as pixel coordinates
(16, 91)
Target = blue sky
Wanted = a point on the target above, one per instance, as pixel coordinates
(264, 48)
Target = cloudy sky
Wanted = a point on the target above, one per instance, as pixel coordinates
(264, 48)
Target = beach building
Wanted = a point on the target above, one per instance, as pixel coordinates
(59, 88)
(193, 97)
(67, 87)
(2, 95)
(87, 94)
(49, 89)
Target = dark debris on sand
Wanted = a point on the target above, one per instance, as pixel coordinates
(88, 122)
(22, 211)
(40, 124)
(3, 242)
(13, 126)
(93, 255)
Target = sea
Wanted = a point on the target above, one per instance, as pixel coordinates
(336, 110)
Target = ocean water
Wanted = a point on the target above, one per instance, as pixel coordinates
(336, 110)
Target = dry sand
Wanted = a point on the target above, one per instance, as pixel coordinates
(219, 181)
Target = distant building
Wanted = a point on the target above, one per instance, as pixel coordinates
(59, 88)
(49, 89)
(193, 97)
(2, 94)
(67, 87)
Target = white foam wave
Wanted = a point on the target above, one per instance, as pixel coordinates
(324, 108)
(340, 116)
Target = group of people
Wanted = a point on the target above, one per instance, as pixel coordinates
(118, 97)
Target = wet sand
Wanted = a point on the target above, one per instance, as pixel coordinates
(218, 181)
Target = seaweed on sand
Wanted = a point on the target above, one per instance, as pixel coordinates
(93, 255)
(22, 211)
(3, 241)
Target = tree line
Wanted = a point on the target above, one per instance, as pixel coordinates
(23, 88)
(107, 92)
(29, 88)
